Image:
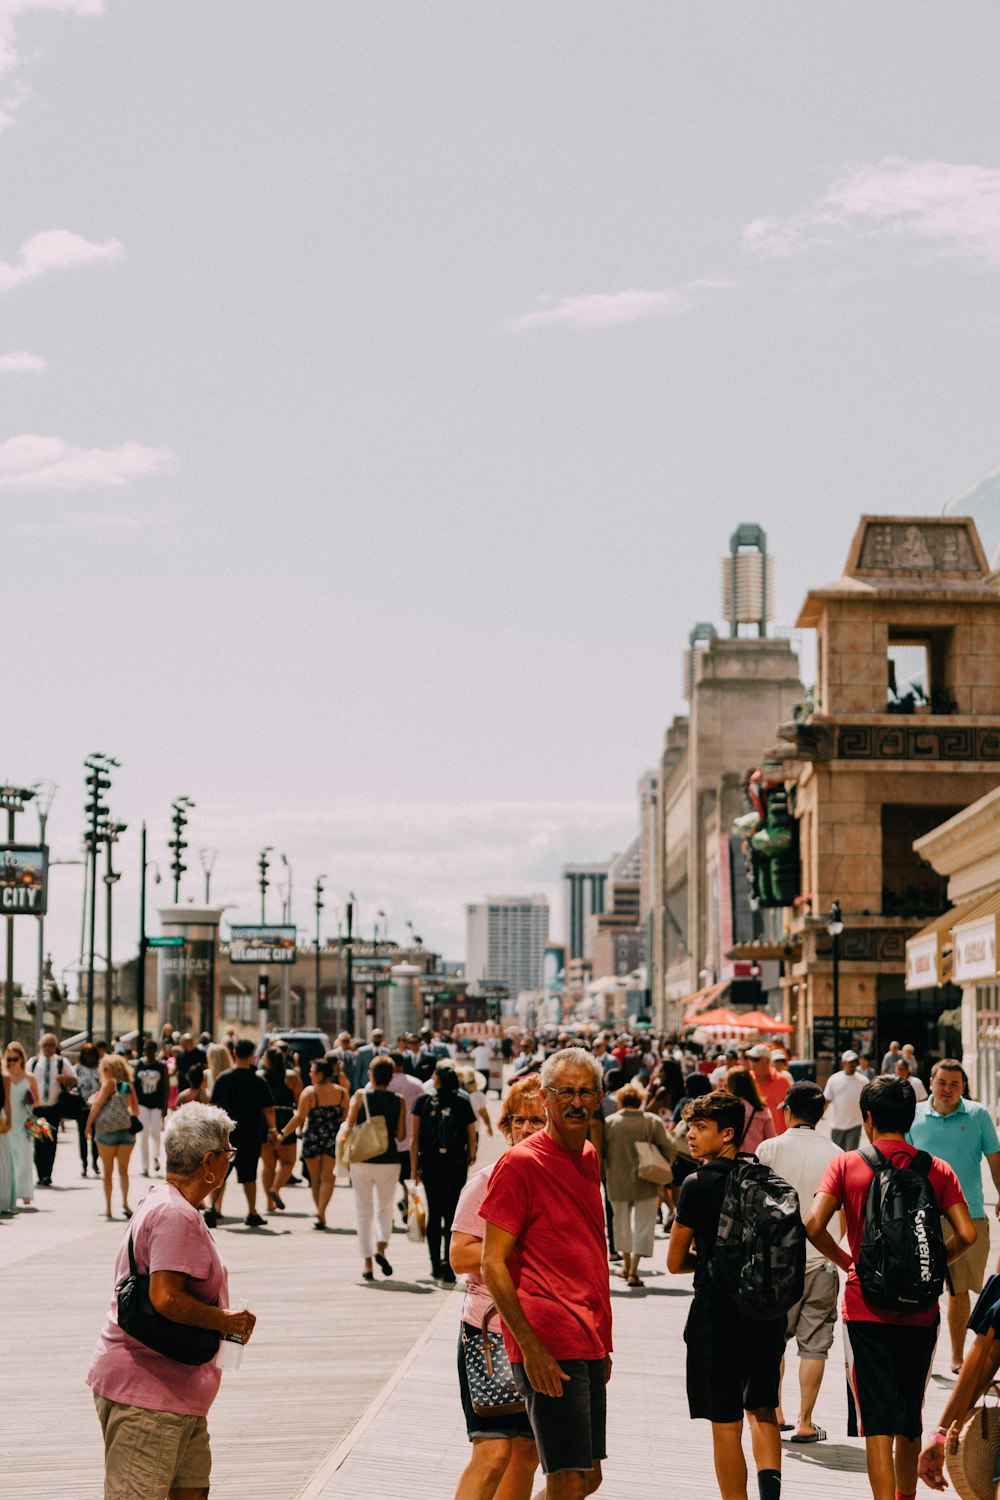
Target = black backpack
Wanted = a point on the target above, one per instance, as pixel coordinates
(903, 1263)
(759, 1259)
(443, 1136)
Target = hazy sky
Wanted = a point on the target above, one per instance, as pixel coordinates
(381, 383)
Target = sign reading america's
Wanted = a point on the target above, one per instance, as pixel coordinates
(23, 879)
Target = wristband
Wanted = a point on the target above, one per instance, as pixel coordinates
(941, 1436)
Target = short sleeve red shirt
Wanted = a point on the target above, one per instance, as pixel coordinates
(550, 1198)
(774, 1088)
(847, 1180)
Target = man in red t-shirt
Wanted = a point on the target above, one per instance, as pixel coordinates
(772, 1084)
(888, 1353)
(545, 1264)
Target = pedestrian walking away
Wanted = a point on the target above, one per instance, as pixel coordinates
(890, 1304)
(153, 1408)
(278, 1156)
(733, 1360)
(843, 1094)
(151, 1085)
(375, 1180)
(801, 1157)
(634, 1199)
(88, 1081)
(109, 1122)
(504, 1456)
(22, 1100)
(442, 1148)
(322, 1108)
(246, 1098)
(962, 1133)
(545, 1266)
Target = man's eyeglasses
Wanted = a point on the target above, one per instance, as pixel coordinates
(566, 1096)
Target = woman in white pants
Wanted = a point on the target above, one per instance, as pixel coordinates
(375, 1181)
(151, 1085)
(634, 1201)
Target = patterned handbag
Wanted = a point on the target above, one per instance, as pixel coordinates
(491, 1380)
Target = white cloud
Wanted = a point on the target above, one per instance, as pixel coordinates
(953, 208)
(30, 462)
(56, 250)
(12, 10)
(80, 522)
(611, 309)
(20, 363)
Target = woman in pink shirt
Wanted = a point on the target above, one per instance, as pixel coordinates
(153, 1410)
(504, 1457)
(759, 1126)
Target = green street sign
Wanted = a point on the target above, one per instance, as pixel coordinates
(165, 942)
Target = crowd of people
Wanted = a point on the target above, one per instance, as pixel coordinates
(608, 1137)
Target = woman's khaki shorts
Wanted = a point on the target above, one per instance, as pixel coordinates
(147, 1453)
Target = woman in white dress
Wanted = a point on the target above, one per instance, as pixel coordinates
(22, 1088)
(6, 1160)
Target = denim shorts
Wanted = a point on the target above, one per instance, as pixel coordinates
(570, 1429)
(115, 1138)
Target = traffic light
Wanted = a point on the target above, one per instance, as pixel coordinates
(98, 782)
(178, 844)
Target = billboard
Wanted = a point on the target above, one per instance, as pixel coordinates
(23, 879)
(261, 945)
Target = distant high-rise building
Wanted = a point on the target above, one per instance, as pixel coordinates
(583, 897)
(505, 941)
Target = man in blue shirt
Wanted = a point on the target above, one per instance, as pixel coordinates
(961, 1132)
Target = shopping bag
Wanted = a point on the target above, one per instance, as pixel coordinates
(416, 1214)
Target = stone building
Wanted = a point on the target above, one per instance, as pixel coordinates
(902, 733)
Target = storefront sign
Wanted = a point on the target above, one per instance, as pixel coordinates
(262, 945)
(23, 880)
(975, 953)
(922, 963)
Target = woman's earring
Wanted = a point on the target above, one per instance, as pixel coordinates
(208, 1179)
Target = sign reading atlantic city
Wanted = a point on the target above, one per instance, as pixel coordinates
(262, 945)
(24, 872)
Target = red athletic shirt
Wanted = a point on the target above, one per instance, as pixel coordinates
(550, 1198)
(847, 1179)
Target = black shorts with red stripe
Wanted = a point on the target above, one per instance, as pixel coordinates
(887, 1369)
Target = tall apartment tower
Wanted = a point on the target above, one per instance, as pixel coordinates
(505, 939)
(583, 897)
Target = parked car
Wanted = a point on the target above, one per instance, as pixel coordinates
(303, 1046)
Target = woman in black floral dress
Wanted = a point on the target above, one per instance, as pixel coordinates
(321, 1110)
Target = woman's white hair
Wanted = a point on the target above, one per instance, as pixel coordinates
(577, 1057)
(191, 1131)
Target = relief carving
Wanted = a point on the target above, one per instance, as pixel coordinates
(917, 547)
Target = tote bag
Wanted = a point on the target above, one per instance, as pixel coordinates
(370, 1136)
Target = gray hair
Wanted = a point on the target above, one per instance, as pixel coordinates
(576, 1057)
(191, 1131)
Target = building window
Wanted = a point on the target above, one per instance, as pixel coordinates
(917, 672)
(910, 887)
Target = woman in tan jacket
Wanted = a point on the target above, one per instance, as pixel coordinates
(633, 1200)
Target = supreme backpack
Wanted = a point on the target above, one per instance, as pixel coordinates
(760, 1249)
(443, 1135)
(903, 1263)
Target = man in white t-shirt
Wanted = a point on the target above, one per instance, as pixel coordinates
(801, 1157)
(843, 1094)
(903, 1069)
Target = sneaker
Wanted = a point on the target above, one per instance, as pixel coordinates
(211, 1218)
(254, 1221)
(447, 1276)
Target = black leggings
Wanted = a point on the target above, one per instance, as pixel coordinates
(443, 1191)
(81, 1126)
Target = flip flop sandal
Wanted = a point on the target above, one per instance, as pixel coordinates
(818, 1436)
(786, 1427)
(383, 1265)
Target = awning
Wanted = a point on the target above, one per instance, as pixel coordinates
(703, 1000)
(975, 942)
(762, 952)
(930, 952)
(765, 1024)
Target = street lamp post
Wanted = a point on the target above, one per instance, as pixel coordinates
(12, 798)
(44, 793)
(98, 781)
(286, 976)
(140, 978)
(835, 926)
(111, 878)
(319, 908)
(349, 945)
(263, 882)
(208, 858)
(181, 807)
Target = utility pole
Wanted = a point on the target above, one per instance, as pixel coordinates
(208, 858)
(12, 798)
(44, 793)
(263, 882)
(286, 976)
(319, 908)
(98, 781)
(140, 976)
(349, 945)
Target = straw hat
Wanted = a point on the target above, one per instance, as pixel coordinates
(472, 1079)
(972, 1464)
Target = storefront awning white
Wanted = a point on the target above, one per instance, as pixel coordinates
(950, 947)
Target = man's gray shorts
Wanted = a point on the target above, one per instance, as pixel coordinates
(812, 1320)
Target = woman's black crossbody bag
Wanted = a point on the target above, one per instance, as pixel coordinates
(139, 1319)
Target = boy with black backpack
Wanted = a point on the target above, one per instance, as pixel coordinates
(737, 1227)
(893, 1197)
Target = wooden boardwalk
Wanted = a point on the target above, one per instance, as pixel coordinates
(347, 1388)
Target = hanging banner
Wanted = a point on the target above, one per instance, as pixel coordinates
(24, 870)
(262, 945)
(975, 951)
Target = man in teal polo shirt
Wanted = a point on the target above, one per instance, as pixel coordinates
(960, 1132)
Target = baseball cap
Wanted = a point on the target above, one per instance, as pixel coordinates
(849, 1056)
(779, 1056)
(759, 1051)
(802, 1095)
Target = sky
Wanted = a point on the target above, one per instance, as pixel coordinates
(380, 386)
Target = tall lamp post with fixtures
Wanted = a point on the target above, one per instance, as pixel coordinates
(98, 781)
(12, 800)
(835, 927)
(319, 909)
(112, 833)
(44, 793)
(263, 864)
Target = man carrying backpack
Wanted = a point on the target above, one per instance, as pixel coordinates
(442, 1148)
(735, 1332)
(893, 1197)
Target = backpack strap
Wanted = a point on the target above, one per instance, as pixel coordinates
(874, 1158)
(131, 1256)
